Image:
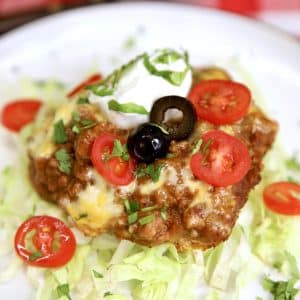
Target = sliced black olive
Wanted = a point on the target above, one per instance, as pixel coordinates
(175, 114)
(148, 142)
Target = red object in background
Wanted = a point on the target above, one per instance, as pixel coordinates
(248, 7)
(10, 7)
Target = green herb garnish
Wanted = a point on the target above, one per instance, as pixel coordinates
(97, 274)
(167, 57)
(175, 78)
(153, 171)
(76, 129)
(82, 100)
(64, 160)
(59, 134)
(163, 214)
(86, 124)
(146, 220)
(149, 208)
(100, 90)
(132, 218)
(120, 150)
(35, 255)
(281, 290)
(63, 290)
(131, 206)
(206, 146)
(75, 116)
(82, 216)
(107, 294)
(197, 147)
(128, 108)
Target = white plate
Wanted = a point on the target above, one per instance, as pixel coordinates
(68, 46)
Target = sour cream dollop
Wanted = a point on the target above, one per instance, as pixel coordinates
(139, 84)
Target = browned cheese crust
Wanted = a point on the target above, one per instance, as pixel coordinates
(190, 222)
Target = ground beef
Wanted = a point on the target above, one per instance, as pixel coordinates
(54, 185)
(179, 215)
(206, 223)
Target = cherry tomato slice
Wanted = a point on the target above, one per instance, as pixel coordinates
(220, 101)
(19, 113)
(114, 169)
(93, 79)
(283, 198)
(45, 228)
(222, 160)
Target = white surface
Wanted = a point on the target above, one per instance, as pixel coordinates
(70, 45)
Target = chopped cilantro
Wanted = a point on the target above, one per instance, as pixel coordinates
(132, 218)
(163, 214)
(63, 290)
(197, 146)
(59, 134)
(82, 100)
(75, 116)
(64, 160)
(131, 206)
(175, 78)
(153, 171)
(107, 294)
(82, 216)
(76, 129)
(35, 255)
(281, 290)
(293, 164)
(100, 90)
(149, 208)
(86, 124)
(129, 107)
(120, 150)
(97, 274)
(146, 220)
(206, 146)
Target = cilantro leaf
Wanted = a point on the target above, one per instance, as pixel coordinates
(120, 150)
(35, 255)
(63, 290)
(153, 171)
(64, 160)
(147, 219)
(100, 90)
(163, 214)
(107, 294)
(131, 206)
(132, 218)
(97, 274)
(197, 147)
(75, 116)
(82, 100)
(281, 290)
(129, 108)
(175, 78)
(82, 216)
(59, 134)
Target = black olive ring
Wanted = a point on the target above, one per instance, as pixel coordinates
(177, 131)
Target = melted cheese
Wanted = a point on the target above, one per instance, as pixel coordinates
(95, 206)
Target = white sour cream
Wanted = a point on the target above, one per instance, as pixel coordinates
(137, 85)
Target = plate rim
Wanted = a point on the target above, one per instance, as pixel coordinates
(267, 28)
